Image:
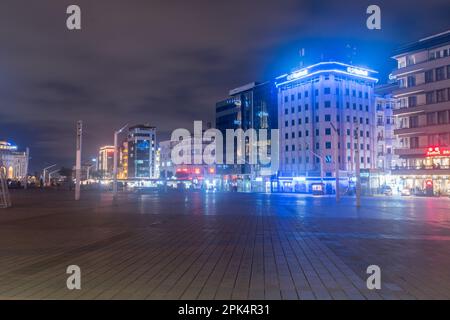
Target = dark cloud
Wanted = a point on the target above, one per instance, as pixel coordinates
(168, 62)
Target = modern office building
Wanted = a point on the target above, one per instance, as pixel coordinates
(252, 106)
(123, 161)
(423, 114)
(142, 152)
(105, 163)
(325, 111)
(13, 163)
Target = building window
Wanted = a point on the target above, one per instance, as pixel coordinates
(292, 110)
(413, 122)
(306, 107)
(429, 96)
(440, 73)
(411, 80)
(442, 117)
(286, 123)
(299, 95)
(317, 145)
(292, 97)
(299, 108)
(326, 90)
(441, 95)
(327, 104)
(414, 142)
(286, 135)
(306, 94)
(328, 131)
(299, 134)
(348, 132)
(306, 120)
(293, 147)
(354, 106)
(286, 111)
(431, 118)
(299, 121)
(293, 135)
(328, 145)
(366, 95)
(317, 118)
(429, 76)
(327, 117)
(286, 99)
(307, 133)
(359, 94)
(317, 132)
(412, 101)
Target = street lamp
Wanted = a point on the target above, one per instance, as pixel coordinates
(44, 173)
(321, 164)
(336, 159)
(50, 175)
(116, 135)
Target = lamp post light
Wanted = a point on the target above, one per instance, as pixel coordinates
(116, 138)
(321, 164)
(44, 179)
(336, 159)
(50, 175)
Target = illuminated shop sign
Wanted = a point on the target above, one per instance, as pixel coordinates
(437, 152)
(7, 146)
(357, 71)
(297, 74)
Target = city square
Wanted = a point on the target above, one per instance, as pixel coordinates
(223, 245)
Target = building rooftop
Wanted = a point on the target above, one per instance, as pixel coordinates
(425, 43)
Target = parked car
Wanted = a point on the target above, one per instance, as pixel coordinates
(406, 192)
(387, 191)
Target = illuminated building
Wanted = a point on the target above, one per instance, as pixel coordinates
(311, 101)
(142, 152)
(13, 163)
(252, 106)
(123, 161)
(423, 114)
(386, 142)
(193, 173)
(106, 162)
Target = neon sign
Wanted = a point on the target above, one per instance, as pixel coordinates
(297, 74)
(437, 152)
(7, 146)
(357, 71)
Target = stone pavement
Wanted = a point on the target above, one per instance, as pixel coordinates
(193, 245)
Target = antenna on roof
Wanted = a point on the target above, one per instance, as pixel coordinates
(301, 53)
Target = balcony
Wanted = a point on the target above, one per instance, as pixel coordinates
(423, 65)
(411, 151)
(424, 170)
(423, 130)
(422, 87)
(433, 107)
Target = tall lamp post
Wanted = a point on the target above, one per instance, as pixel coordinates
(336, 159)
(44, 178)
(358, 171)
(116, 138)
(321, 165)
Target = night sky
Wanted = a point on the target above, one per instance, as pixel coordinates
(167, 62)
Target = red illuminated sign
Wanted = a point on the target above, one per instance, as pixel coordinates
(437, 151)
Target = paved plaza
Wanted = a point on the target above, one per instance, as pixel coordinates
(195, 245)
